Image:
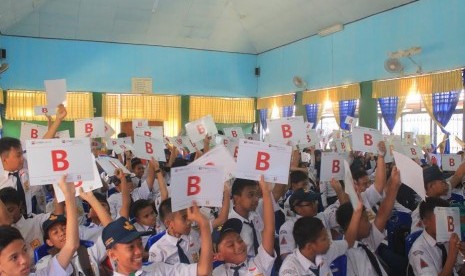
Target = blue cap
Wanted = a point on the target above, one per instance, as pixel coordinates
(300, 196)
(119, 231)
(52, 220)
(231, 225)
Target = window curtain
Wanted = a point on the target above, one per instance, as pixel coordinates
(391, 109)
(263, 117)
(313, 112)
(223, 110)
(288, 111)
(342, 109)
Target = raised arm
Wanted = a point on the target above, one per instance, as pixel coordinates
(60, 116)
(125, 194)
(151, 168)
(352, 230)
(341, 195)
(161, 179)
(268, 218)
(458, 175)
(72, 233)
(173, 154)
(380, 175)
(204, 266)
(384, 211)
(102, 214)
(224, 211)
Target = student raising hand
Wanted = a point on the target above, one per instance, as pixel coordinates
(102, 214)
(204, 266)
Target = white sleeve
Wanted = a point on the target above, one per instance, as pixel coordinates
(324, 193)
(98, 250)
(372, 196)
(286, 240)
(142, 192)
(174, 270)
(336, 249)
(264, 261)
(375, 238)
(54, 268)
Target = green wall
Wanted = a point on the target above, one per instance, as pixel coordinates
(368, 107)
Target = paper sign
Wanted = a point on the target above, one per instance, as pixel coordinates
(153, 131)
(198, 129)
(332, 166)
(435, 159)
(411, 174)
(64, 134)
(32, 131)
(234, 132)
(192, 147)
(257, 158)
(349, 185)
(254, 136)
(218, 157)
(87, 186)
(287, 129)
(139, 123)
(148, 147)
(342, 145)
(408, 138)
(305, 157)
(109, 165)
(451, 162)
(49, 159)
(202, 184)
(177, 142)
(351, 121)
(413, 151)
(44, 110)
(447, 222)
(56, 92)
(366, 139)
(311, 139)
(121, 148)
(308, 126)
(91, 127)
(109, 131)
(423, 140)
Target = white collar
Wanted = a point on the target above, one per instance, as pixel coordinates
(306, 263)
(430, 240)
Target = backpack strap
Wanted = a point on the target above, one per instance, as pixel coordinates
(84, 261)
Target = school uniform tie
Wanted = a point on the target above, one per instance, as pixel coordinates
(236, 269)
(140, 183)
(372, 258)
(443, 253)
(315, 271)
(255, 240)
(182, 256)
(20, 189)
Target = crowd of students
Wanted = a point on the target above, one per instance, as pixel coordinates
(128, 227)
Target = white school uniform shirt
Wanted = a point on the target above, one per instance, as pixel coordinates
(166, 251)
(115, 201)
(262, 264)
(31, 231)
(426, 258)
(358, 262)
(156, 269)
(53, 268)
(286, 239)
(97, 253)
(7, 180)
(91, 232)
(144, 228)
(246, 232)
(297, 265)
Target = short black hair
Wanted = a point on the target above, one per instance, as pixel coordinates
(134, 162)
(165, 209)
(122, 135)
(7, 143)
(101, 198)
(427, 206)
(307, 229)
(10, 195)
(179, 162)
(8, 234)
(344, 215)
(297, 176)
(139, 205)
(240, 184)
(359, 173)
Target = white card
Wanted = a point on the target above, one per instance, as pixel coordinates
(139, 123)
(192, 147)
(257, 158)
(109, 131)
(451, 162)
(109, 165)
(44, 110)
(413, 151)
(349, 185)
(447, 222)
(32, 131)
(408, 138)
(332, 166)
(435, 158)
(64, 134)
(366, 139)
(87, 186)
(411, 174)
(91, 127)
(152, 131)
(254, 136)
(198, 129)
(56, 92)
(177, 142)
(234, 132)
(342, 145)
(218, 157)
(423, 140)
(49, 159)
(148, 147)
(308, 126)
(350, 121)
(287, 129)
(311, 139)
(202, 184)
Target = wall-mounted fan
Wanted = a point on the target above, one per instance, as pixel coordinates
(299, 83)
(393, 64)
(3, 65)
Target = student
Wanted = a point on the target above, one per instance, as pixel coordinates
(92, 230)
(315, 251)
(87, 260)
(14, 255)
(124, 247)
(428, 257)
(360, 258)
(15, 174)
(145, 214)
(245, 198)
(298, 180)
(233, 251)
(29, 226)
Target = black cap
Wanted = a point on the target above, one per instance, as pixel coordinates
(431, 174)
(231, 225)
(119, 231)
(300, 196)
(52, 220)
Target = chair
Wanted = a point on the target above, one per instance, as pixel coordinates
(42, 250)
(339, 266)
(410, 239)
(153, 239)
(398, 227)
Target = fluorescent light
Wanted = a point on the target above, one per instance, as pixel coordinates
(331, 30)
